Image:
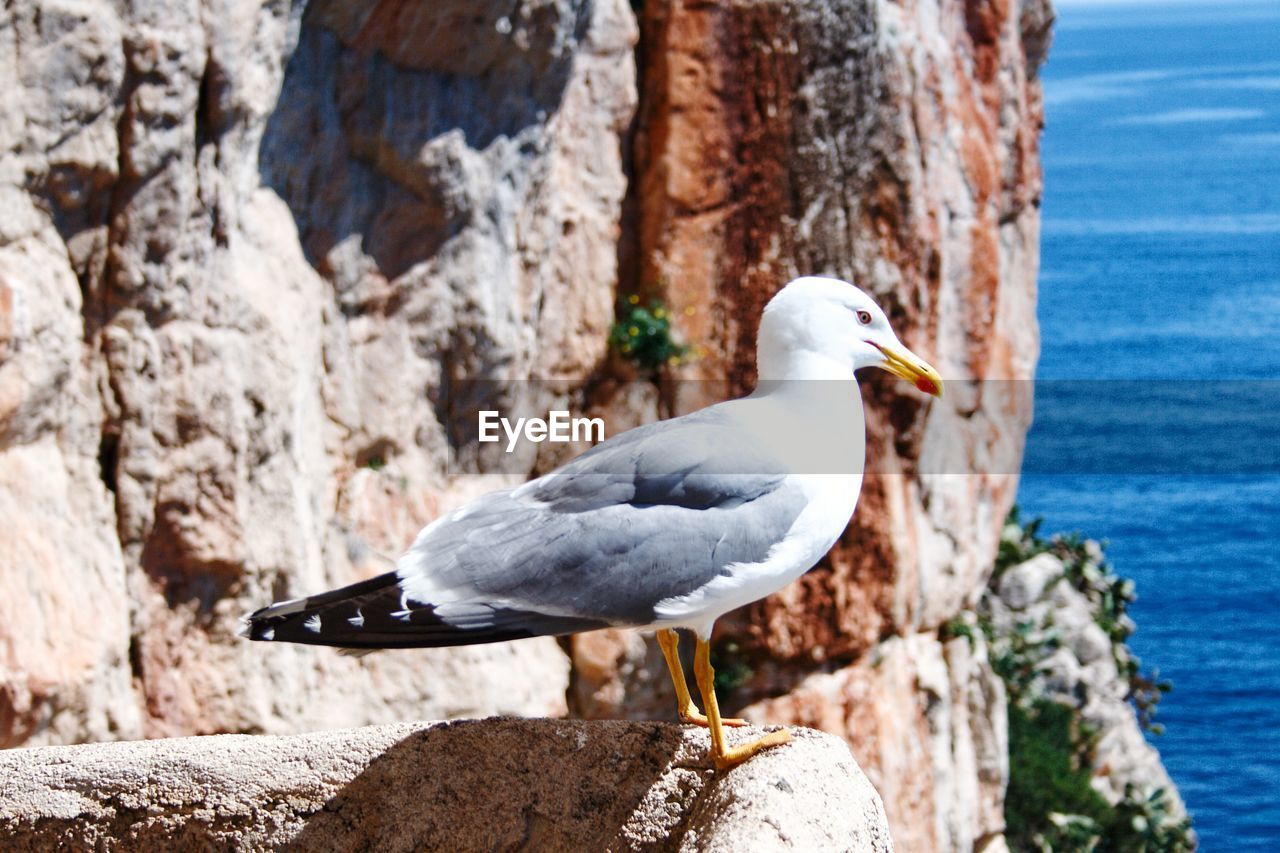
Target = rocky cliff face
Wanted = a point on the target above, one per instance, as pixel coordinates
(248, 246)
(245, 249)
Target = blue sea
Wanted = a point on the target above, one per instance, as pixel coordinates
(1161, 267)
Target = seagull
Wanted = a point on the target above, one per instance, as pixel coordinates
(664, 527)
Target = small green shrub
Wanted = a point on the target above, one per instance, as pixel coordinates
(1050, 804)
(643, 335)
(1049, 776)
(959, 626)
(1018, 543)
(1145, 692)
(1143, 824)
(1016, 658)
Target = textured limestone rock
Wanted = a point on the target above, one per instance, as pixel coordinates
(471, 785)
(1024, 584)
(246, 250)
(64, 670)
(927, 723)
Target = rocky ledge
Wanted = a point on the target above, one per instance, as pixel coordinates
(492, 784)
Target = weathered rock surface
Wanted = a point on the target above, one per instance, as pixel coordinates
(497, 784)
(929, 721)
(245, 250)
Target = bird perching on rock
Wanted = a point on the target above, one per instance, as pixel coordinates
(667, 526)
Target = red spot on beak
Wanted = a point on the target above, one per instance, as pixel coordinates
(926, 385)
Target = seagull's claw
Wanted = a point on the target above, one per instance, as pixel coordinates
(735, 755)
(695, 717)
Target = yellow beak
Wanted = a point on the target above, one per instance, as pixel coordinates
(907, 365)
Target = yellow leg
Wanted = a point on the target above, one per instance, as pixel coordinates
(669, 642)
(722, 754)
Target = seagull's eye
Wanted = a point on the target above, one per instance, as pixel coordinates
(864, 317)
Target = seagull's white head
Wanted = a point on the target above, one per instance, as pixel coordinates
(825, 328)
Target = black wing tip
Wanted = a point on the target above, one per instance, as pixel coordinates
(251, 627)
(373, 615)
(260, 624)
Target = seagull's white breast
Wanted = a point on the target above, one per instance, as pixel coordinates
(825, 449)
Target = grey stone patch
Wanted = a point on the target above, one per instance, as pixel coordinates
(1026, 582)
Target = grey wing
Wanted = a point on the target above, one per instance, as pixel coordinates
(654, 513)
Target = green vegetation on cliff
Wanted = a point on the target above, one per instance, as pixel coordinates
(1051, 802)
(643, 335)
